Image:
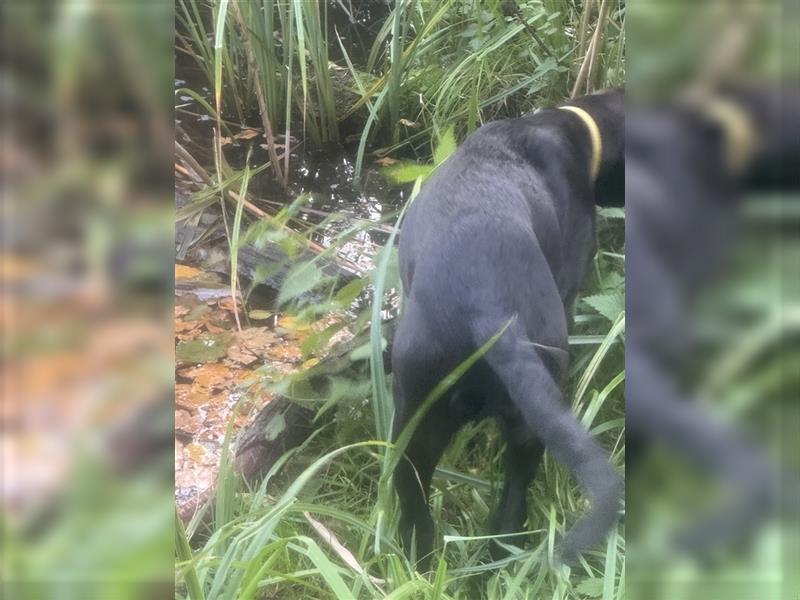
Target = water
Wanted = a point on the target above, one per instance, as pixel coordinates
(328, 175)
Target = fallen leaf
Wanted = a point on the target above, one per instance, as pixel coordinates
(257, 338)
(213, 328)
(286, 352)
(209, 375)
(226, 302)
(197, 453)
(185, 326)
(247, 134)
(260, 315)
(191, 397)
(186, 272)
(194, 477)
(240, 355)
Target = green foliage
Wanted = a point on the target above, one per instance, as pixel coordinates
(278, 39)
(432, 65)
(325, 527)
(270, 546)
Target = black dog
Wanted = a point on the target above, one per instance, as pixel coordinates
(504, 231)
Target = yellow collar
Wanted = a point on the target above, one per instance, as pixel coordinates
(594, 136)
(741, 136)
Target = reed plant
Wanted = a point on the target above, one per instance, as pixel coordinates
(432, 64)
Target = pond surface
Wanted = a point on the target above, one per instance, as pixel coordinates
(326, 176)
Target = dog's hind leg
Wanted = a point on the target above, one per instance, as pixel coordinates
(537, 396)
(522, 458)
(413, 474)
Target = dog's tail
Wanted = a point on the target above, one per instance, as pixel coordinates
(537, 396)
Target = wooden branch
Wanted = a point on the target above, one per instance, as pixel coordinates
(515, 10)
(584, 25)
(589, 58)
(602, 19)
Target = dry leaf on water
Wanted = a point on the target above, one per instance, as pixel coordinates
(186, 272)
(210, 375)
(247, 134)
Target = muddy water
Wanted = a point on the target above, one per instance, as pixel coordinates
(327, 176)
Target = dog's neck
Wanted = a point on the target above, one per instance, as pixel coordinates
(604, 120)
(594, 137)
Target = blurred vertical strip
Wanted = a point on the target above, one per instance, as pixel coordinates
(86, 483)
(713, 300)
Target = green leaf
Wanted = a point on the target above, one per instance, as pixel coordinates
(611, 212)
(613, 281)
(406, 172)
(392, 273)
(197, 313)
(260, 315)
(591, 587)
(363, 351)
(300, 280)
(445, 147)
(207, 348)
(184, 553)
(608, 305)
(318, 340)
(274, 428)
(345, 296)
(327, 569)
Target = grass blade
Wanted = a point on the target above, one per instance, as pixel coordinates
(184, 553)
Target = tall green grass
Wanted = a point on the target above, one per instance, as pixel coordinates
(433, 64)
(323, 522)
(250, 58)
